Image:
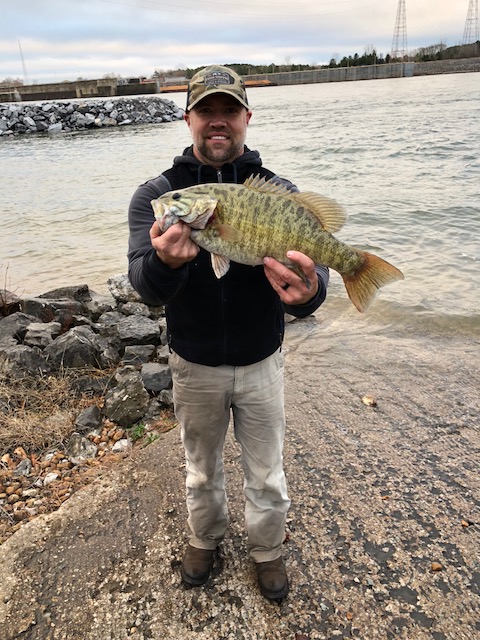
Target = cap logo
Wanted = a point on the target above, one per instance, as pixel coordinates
(215, 78)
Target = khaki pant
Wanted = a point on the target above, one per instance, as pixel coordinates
(204, 397)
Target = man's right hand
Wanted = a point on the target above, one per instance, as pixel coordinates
(174, 247)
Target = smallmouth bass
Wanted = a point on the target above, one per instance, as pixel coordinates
(247, 222)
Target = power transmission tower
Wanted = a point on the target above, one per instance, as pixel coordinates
(399, 43)
(471, 33)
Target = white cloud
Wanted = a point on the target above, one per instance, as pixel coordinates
(65, 39)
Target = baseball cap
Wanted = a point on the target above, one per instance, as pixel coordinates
(216, 79)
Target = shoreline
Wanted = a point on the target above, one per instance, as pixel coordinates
(85, 89)
(385, 516)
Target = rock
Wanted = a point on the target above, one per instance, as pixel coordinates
(80, 448)
(138, 330)
(163, 353)
(50, 477)
(98, 305)
(55, 128)
(156, 377)
(138, 354)
(122, 445)
(55, 117)
(41, 334)
(121, 289)
(81, 293)
(23, 468)
(165, 398)
(15, 325)
(19, 359)
(369, 401)
(89, 419)
(9, 302)
(72, 328)
(76, 349)
(128, 401)
(135, 308)
(46, 310)
(30, 122)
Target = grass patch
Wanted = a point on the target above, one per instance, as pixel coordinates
(37, 412)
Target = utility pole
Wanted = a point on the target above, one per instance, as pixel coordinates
(471, 33)
(399, 43)
(25, 75)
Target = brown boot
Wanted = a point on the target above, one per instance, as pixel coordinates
(196, 565)
(272, 579)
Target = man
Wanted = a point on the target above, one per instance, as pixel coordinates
(225, 337)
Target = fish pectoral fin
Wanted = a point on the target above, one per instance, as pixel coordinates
(228, 233)
(220, 265)
(329, 213)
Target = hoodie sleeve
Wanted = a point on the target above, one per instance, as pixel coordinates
(156, 283)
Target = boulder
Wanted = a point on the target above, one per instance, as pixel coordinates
(19, 360)
(89, 419)
(156, 377)
(76, 349)
(128, 402)
(42, 334)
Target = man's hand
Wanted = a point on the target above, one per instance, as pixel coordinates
(174, 247)
(289, 285)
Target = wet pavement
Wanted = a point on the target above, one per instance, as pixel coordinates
(383, 536)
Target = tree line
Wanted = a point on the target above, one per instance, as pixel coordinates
(369, 57)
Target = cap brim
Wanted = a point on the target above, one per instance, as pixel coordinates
(232, 94)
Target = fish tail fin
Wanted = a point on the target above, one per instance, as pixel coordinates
(365, 282)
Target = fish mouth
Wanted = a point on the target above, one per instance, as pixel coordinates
(164, 216)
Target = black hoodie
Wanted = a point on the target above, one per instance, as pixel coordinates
(235, 320)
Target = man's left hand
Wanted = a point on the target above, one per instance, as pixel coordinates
(291, 288)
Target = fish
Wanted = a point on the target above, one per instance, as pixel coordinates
(246, 222)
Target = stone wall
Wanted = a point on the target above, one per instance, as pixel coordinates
(371, 72)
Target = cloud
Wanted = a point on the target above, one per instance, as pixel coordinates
(66, 39)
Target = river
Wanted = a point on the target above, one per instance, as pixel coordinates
(402, 155)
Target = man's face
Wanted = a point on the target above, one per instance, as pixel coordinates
(218, 125)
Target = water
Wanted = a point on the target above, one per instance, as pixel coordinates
(402, 155)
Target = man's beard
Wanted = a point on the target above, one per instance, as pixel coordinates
(220, 155)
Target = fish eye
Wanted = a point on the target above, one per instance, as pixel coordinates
(176, 196)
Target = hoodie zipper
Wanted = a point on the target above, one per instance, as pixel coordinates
(222, 300)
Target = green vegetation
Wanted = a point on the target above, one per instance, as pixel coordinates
(137, 432)
(369, 57)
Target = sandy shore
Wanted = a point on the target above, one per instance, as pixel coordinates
(384, 529)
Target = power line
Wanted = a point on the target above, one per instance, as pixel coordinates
(399, 43)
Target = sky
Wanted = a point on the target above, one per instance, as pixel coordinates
(56, 40)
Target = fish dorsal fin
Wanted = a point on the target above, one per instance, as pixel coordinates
(266, 186)
(328, 212)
